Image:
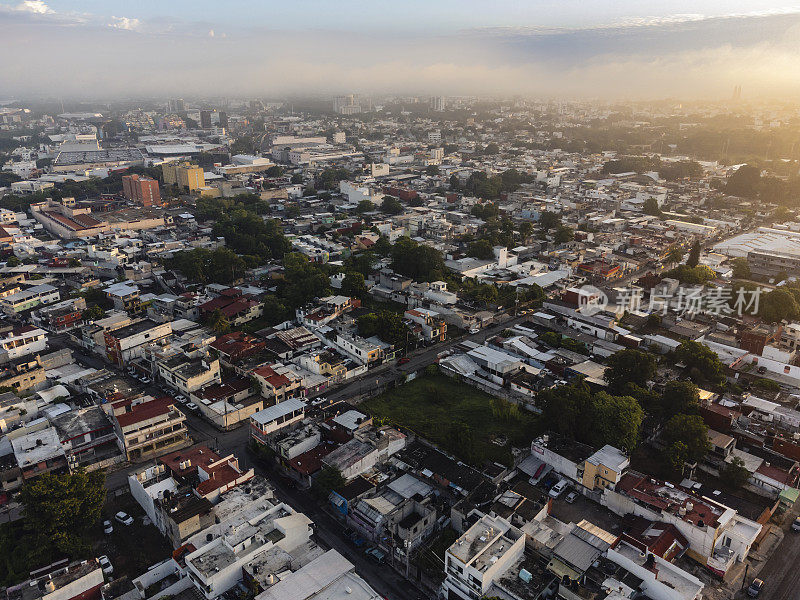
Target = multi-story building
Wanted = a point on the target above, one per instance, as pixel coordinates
(274, 418)
(205, 119)
(22, 341)
(770, 263)
(184, 175)
(149, 428)
(30, 298)
(480, 556)
(189, 374)
(22, 375)
(39, 451)
(718, 536)
(430, 326)
(217, 566)
(143, 190)
(128, 343)
(62, 580)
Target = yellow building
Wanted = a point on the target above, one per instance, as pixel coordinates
(603, 469)
(184, 175)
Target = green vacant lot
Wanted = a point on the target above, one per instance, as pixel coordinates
(458, 418)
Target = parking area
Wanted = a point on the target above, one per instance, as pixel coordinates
(130, 548)
(583, 508)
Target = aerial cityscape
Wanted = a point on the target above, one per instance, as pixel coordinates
(409, 301)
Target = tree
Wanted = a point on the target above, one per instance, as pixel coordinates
(675, 254)
(694, 255)
(676, 456)
(616, 420)
(219, 322)
(744, 182)
(741, 268)
(549, 220)
(418, 261)
(629, 366)
(491, 148)
(481, 249)
(651, 207)
(691, 431)
(297, 178)
(353, 285)
(328, 480)
(704, 364)
(679, 397)
(365, 206)
(387, 325)
(93, 313)
(59, 510)
(778, 305)
(734, 475)
(563, 235)
(431, 170)
(391, 206)
(525, 229)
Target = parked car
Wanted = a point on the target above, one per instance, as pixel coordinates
(108, 528)
(182, 399)
(796, 524)
(358, 541)
(105, 564)
(558, 488)
(146, 380)
(124, 518)
(762, 370)
(474, 330)
(571, 497)
(403, 360)
(192, 407)
(376, 555)
(754, 589)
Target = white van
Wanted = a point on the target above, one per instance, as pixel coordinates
(558, 488)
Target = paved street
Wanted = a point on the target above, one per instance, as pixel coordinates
(781, 573)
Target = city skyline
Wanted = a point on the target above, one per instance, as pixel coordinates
(596, 49)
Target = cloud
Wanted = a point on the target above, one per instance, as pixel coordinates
(34, 6)
(683, 56)
(127, 23)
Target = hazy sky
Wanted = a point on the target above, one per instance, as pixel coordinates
(620, 48)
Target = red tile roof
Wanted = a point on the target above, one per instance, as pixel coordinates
(144, 411)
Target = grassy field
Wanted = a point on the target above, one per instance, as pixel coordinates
(457, 417)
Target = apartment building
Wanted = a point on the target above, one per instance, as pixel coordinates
(278, 382)
(480, 556)
(184, 175)
(149, 428)
(30, 298)
(22, 341)
(128, 343)
(189, 374)
(22, 375)
(38, 452)
(143, 190)
(718, 536)
(217, 566)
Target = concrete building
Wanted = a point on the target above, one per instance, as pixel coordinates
(149, 428)
(143, 190)
(480, 556)
(184, 175)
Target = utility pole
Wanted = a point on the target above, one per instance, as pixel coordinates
(408, 552)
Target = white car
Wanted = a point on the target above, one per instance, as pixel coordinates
(192, 407)
(474, 330)
(108, 528)
(106, 565)
(124, 518)
(558, 488)
(146, 380)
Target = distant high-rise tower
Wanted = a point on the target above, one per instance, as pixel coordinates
(437, 103)
(205, 119)
(176, 105)
(737, 92)
(346, 105)
(223, 120)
